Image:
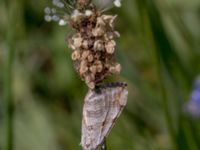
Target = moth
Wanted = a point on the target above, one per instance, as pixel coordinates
(101, 109)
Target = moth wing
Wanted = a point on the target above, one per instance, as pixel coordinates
(117, 98)
(94, 114)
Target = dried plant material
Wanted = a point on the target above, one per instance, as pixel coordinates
(76, 55)
(91, 85)
(98, 45)
(85, 54)
(101, 109)
(85, 44)
(90, 58)
(98, 31)
(83, 68)
(110, 46)
(94, 37)
(93, 69)
(115, 69)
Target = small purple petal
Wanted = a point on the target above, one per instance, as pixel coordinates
(193, 106)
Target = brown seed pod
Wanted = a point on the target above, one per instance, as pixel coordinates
(118, 68)
(100, 31)
(83, 67)
(109, 19)
(85, 44)
(85, 54)
(93, 69)
(91, 85)
(100, 22)
(99, 66)
(76, 55)
(98, 45)
(93, 45)
(90, 58)
(115, 69)
(110, 46)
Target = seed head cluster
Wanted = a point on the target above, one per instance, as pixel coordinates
(93, 45)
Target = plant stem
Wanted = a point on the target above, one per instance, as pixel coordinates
(104, 146)
(8, 93)
(160, 41)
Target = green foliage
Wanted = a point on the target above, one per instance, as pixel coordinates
(159, 52)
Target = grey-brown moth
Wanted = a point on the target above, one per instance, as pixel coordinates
(101, 109)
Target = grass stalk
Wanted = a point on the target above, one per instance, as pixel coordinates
(160, 42)
(8, 79)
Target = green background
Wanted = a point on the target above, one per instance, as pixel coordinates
(159, 50)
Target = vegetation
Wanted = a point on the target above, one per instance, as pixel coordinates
(41, 96)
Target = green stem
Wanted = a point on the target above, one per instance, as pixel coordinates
(104, 146)
(8, 93)
(158, 38)
(168, 118)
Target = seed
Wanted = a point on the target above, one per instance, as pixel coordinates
(85, 44)
(77, 42)
(83, 67)
(118, 68)
(109, 19)
(110, 47)
(98, 45)
(91, 85)
(76, 55)
(93, 69)
(98, 31)
(100, 22)
(90, 58)
(115, 69)
(85, 54)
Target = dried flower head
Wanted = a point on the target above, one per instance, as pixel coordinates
(93, 42)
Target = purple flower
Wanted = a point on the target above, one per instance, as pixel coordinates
(193, 105)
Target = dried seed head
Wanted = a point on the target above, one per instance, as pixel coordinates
(110, 47)
(98, 45)
(76, 55)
